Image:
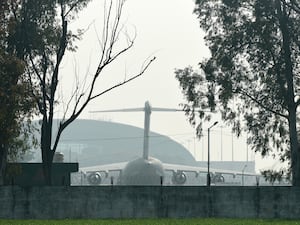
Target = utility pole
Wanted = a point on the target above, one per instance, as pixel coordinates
(221, 143)
(208, 154)
(232, 152)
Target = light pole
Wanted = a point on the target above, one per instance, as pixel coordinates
(208, 155)
(243, 182)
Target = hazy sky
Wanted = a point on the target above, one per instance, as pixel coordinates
(170, 31)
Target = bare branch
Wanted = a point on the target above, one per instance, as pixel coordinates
(71, 8)
(74, 92)
(109, 39)
(42, 106)
(115, 32)
(75, 114)
(125, 81)
(261, 104)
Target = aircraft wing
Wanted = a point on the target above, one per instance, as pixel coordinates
(179, 176)
(168, 167)
(104, 168)
(198, 170)
(95, 175)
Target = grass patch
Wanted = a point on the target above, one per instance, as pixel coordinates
(152, 222)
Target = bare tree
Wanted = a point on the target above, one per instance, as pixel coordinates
(44, 72)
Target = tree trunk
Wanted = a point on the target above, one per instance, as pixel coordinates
(3, 159)
(295, 153)
(290, 92)
(47, 153)
(47, 158)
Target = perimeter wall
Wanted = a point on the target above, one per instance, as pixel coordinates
(146, 201)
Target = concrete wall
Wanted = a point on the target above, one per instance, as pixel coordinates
(155, 202)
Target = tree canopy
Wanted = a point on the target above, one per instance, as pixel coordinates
(252, 76)
(15, 99)
(41, 36)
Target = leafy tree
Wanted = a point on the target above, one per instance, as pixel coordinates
(252, 76)
(15, 101)
(42, 37)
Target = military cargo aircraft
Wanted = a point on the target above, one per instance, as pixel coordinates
(147, 170)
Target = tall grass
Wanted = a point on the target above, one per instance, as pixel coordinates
(152, 222)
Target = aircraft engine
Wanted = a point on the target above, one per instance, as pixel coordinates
(218, 178)
(94, 178)
(179, 177)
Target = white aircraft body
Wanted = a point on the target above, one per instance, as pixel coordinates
(147, 170)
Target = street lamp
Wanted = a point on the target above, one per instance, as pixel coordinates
(208, 178)
(243, 174)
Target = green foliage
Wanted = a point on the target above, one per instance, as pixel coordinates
(30, 27)
(273, 176)
(39, 34)
(196, 221)
(15, 98)
(35, 27)
(16, 107)
(252, 76)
